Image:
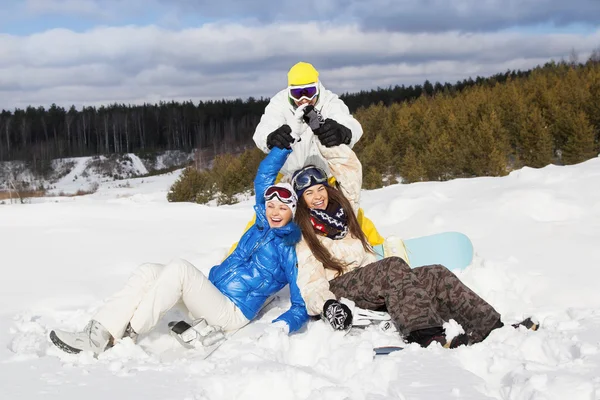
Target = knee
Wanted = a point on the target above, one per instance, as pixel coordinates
(396, 260)
(439, 271)
(148, 271)
(390, 266)
(397, 263)
(177, 268)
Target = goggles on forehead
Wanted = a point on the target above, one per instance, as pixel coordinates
(282, 194)
(307, 177)
(308, 92)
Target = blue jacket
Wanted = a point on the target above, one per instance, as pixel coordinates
(264, 260)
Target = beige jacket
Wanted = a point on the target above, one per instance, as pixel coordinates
(313, 278)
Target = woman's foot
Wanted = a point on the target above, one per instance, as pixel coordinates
(130, 333)
(94, 338)
(427, 336)
(528, 323)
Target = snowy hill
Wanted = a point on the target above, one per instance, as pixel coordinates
(67, 176)
(535, 232)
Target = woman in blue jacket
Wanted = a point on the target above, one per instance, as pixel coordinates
(262, 264)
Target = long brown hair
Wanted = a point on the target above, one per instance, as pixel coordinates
(320, 252)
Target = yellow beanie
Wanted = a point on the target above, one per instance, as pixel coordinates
(302, 74)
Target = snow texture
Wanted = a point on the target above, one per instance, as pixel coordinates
(535, 233)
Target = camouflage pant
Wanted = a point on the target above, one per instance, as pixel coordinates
(418, 298)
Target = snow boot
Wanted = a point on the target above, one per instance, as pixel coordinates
(461, 339)
(198, 332)
(130, 333)
(427, 336)
(94, 338)
(527, 323)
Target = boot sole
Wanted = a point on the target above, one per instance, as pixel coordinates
(62, 345)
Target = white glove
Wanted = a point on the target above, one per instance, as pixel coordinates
(298, 125)
(299, 113)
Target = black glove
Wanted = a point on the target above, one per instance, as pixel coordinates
(333, 133)
(281, 138)
(338, 314)
(313, 118)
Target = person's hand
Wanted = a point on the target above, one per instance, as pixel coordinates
(332, 133)
(313, 118)
(281, 138)
(337, 314)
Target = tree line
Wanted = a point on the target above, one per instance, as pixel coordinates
(39, 134)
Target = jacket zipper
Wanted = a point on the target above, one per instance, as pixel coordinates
(258, 244)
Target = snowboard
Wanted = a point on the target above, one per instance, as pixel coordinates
(453, 250)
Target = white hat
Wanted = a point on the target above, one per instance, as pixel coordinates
(286, 196)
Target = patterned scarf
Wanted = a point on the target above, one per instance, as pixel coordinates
(331, 223)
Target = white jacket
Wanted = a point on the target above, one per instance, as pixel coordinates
(279, 112)
(313, 278)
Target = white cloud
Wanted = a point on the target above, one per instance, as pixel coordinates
(136, 64)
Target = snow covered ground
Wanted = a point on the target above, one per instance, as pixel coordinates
(536, 234)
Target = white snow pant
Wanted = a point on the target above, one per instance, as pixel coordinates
(153, 289)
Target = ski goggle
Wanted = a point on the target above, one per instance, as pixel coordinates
(308, 92)
(282, 194)
(307, 177)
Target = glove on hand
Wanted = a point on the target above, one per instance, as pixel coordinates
(313, 118)
(333, 133)
(280, 137)
(338, 314)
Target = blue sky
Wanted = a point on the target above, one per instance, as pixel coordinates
(24, 21)
(100, 51)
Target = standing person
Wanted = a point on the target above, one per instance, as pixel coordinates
(307, 114)
(263, 263)
(335, 260)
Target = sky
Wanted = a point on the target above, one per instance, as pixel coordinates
(94, 52)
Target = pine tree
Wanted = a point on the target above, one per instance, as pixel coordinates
(488, 155)
(412, 169)
(512, 111)
(593, 104)
(401, 134)
(439, 163)
(372, 178)
(572, 92)
(580, 144)
(535, 141)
